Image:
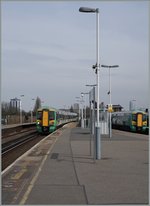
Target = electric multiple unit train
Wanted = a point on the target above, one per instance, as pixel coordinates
(136, 121)
(48, 119)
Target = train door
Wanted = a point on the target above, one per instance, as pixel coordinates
(139, 120)
(45, 118)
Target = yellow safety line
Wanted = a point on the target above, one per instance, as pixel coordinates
(19, 174)
(25, 197)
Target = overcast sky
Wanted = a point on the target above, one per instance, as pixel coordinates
(48, 49)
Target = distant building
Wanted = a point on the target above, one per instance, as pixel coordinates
(132, 105)
(15, 104)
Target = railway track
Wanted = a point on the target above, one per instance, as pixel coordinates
(17, 144)
(10, 145)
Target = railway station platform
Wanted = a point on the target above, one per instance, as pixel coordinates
(10, 126)
(61, 170)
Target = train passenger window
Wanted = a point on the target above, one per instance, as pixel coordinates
(39, 115)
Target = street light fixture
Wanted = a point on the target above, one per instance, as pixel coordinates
(110, 105)
(106, 66)
(87, 10)
(91, 85)
(98, 138)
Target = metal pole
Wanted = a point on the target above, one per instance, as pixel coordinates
(32, 111)
(93, 126)
(20, 113)
(84, 93)
(85, 113)
(90, 104)
(31, 116)
(98, 135)
(82, 120)
(110, 129)
(79, 111)
(92, 118)
(91, 10)
(79, 100)
(21, 109)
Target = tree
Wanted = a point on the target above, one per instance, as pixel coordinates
(37, 104)
(71, 109)
(8, 109)
(5, 108)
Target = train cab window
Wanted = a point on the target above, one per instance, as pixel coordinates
(58, 116)
(39, 115)
(51, 115)
(144, 117)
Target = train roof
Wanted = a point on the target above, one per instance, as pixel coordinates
(66, 112)
(130, 112)
(58, 111)
(138, 111)
(48, 108)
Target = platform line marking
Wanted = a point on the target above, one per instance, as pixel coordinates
(19, 174)
(25, 197)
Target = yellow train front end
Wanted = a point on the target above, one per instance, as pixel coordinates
(139, 121)
(46, 120)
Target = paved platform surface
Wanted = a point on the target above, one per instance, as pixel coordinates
(62, 170)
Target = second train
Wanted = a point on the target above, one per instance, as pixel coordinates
(136, 121)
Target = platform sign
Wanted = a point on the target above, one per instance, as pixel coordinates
(110, 109)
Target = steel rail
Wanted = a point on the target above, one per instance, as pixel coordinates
(6, 147)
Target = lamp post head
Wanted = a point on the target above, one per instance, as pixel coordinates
(106, 66)
(91, 85)
(114, 66)
(82, 94)
(88, 10)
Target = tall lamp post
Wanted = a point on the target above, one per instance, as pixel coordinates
(82, 120)
(97, 67)
(21, 109)
(79, 100)
(85, 108)
(110, 105)
(92, 115)
(32, 111)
